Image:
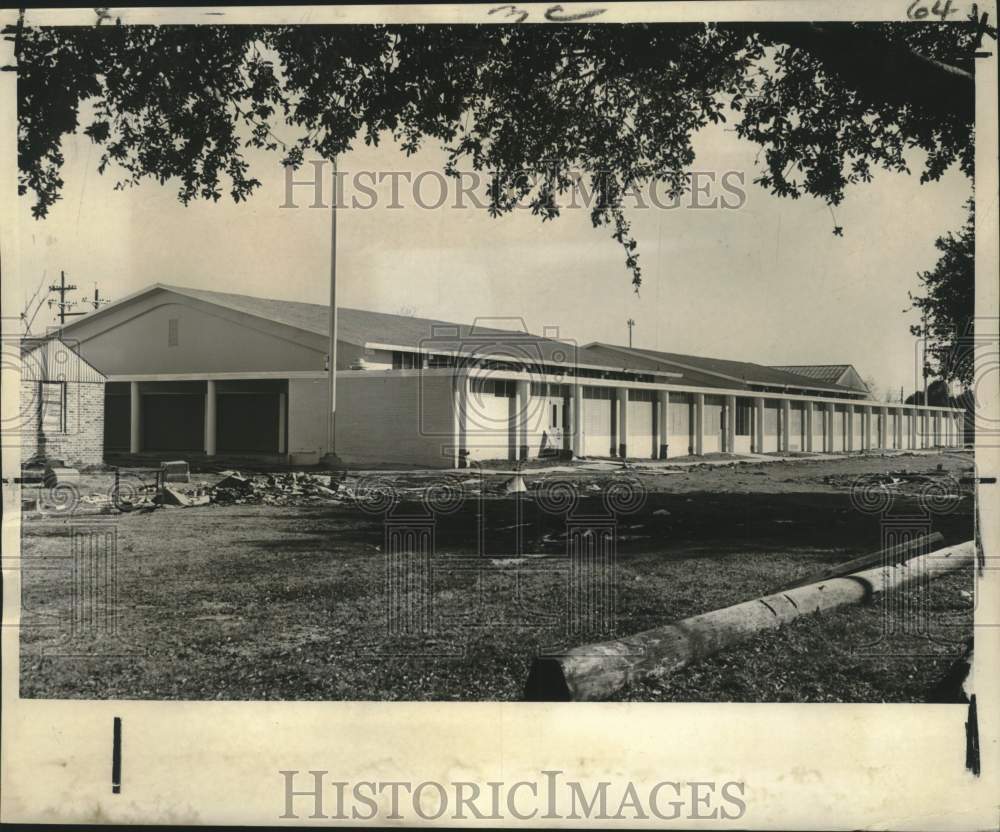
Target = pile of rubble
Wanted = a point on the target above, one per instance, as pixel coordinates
(234, 488)
(277, 489)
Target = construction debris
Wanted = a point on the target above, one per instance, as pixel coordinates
(278, 489)
(176, 471)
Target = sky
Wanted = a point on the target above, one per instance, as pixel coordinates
(767, 282)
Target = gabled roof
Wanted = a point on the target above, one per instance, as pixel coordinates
(843, 374)
(820, 372)
(363, 328)
(49, 358)
(700, 370)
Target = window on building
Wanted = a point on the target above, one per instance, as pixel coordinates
(173, 329)
(52, 400)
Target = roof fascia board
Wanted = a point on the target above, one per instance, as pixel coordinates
(257, 323)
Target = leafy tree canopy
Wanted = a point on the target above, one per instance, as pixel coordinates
(948, 306)
(530, 105)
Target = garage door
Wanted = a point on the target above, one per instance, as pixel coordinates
(598, 437)
(771, 431)
(117, 413)
(247, 422)
(819, 429)
(839, 429)
(641, 425)
(712, 440)
(490, 421)
(679, 425)
(173, 421)
(796, 429)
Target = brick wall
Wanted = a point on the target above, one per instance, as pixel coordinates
(82, 441)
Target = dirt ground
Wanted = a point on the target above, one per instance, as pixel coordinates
(305, 600)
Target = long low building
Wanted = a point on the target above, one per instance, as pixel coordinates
(196, 372)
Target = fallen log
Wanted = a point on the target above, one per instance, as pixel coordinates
(894, 554)
(594, 672)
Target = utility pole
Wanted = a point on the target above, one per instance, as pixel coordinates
(630, 324)
(98, 300)
(330, 458)
(62, 304)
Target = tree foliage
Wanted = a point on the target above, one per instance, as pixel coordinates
(948, 306)
(532, 106)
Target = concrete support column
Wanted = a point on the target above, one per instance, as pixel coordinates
(849, 418)
(282, 422)
(461, 393)
(866, 428)
(523, 404)
(730, 410)
(809, 427)
(899, 427)
(699, 424)
(663, 422)
(622, 422)
(758, 425)
(210, 420)
(831, 413)
(912, 428)
(576, 419)
(785, 428)
(135, 419)
(883, 429)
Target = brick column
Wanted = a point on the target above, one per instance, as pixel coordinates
(210, 420)
(623, 422)
(663, 422)
(135, 419)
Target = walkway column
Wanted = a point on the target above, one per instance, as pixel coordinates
(912, 428)
(210, 420)
(699, 423)
(849, 417)
(521, 429)
(831, 413)
(809, 428)
(135, 419)
(883, 428)
(731, 424)
(461, 404)
(282, 422)
(866, 428)
(622, 422)
(899, 427)
(758, 425)
(663, 422)
(786, 425)
(576, 419)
